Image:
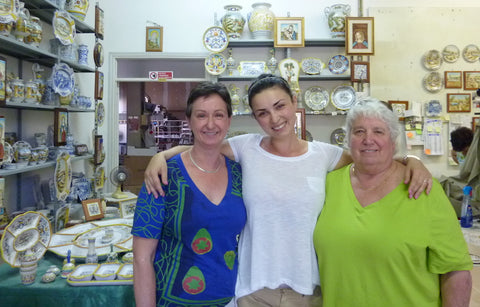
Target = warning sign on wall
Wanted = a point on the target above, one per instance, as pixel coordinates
(160, 75)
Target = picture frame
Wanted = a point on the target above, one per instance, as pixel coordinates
(399, 108)
(81, 149)
(471, 80)
(300, 129)
(60, 127)
(360, 71)
(3, 80)
(99, 78)
(92, 208)
(98, 155)
(154, 39)
(459, 102)
(127, 207)
(453, 79)
(475, 122)
(359, 36)
(289, 32)
(99, 22)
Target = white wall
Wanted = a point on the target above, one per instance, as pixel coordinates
(184, 23)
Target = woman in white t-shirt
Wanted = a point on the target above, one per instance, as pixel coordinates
(283, 191)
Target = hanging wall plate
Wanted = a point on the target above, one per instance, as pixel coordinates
(215, 39)
(343, 97)
(63, 27)
(215, 63)
(316, 98)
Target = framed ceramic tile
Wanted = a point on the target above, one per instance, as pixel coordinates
(360, 72)
(459, 102)
(289, 32)
(300, 129)
(127, 207)
(359, 36)
(3, 79)
(475, 122)
(99, 24)
(453, 79)
(60, 127)
(399, 108)
(92, 208)
(98, 155)
(471, 80)
(98, 85)
(154, 39)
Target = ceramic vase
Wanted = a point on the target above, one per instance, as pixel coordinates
(18, 90)
(261, 21)
(22, 25)
(233, 22)
(28, 268)
(92, 253)
(77, 8)
(231, 63)
(22, 152)
(336, 19)
(31, 91)
(272, 62)
(35, 34)
(82, 54)
(7, 17)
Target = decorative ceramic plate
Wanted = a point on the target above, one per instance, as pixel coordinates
(289, 70)
(63, 27)
(316, 98)
(433, 108)
(343, 97)
(432, 60)
(63, 79)
(433, 82)
(338, 64)
(7, 11)
(63, 175)
(450, 53)
(98, 54)
(312, 66)
(100, 114)
(215, 39)
(29, 231)
(75, 238)
(337, 137)
(215, 63)
(471, 53)
(252, 68)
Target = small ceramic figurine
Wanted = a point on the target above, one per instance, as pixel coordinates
(68, 266)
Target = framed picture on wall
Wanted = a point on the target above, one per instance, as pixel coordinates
(92, 208)
(471, 80)
(60, 127)
(289, 32)
(300, 129)
(98, 85)
(475, 122)
(154, 39)
(360, 72)
(99, 24)
(3, 79)
(399, 108)
(459, 102)
(98, 155)
(359, 36)
(453, 79)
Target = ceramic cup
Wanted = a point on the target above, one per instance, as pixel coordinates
(28, 272)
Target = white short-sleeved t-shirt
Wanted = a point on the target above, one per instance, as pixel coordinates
(283, 197)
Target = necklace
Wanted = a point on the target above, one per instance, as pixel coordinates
(384, 179)
(202, 169)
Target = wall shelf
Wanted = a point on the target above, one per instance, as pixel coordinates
(41, 107)
(300, 78)
(269, 43)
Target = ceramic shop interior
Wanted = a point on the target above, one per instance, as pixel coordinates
(113, 97)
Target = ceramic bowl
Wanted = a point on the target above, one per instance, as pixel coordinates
(107, 271)
(83, 272)
(125, 272)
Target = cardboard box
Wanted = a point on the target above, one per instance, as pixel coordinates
(136, 166)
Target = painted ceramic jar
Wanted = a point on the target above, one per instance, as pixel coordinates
(35, 35)
(18, 90)
(261, 21)
(272, 63)
(82, 54)
(77, 8)
(21, 153)
(231, 63)
(49, 96)
(7, 17)
(22, 25)
(31, 92)
(336, 19)
(237, 107)
(233, 22)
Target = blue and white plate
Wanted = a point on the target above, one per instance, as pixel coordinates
(338, 64)
(215, 39)
(63, 79)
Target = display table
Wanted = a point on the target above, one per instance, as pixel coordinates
(59, 292)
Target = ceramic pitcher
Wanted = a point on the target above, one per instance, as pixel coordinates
(336, 19)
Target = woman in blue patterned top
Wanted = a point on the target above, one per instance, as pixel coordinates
(185, 243)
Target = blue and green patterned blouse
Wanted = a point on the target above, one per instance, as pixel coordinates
(196, 257)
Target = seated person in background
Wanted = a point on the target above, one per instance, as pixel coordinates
(375, 246)
(461, 138)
